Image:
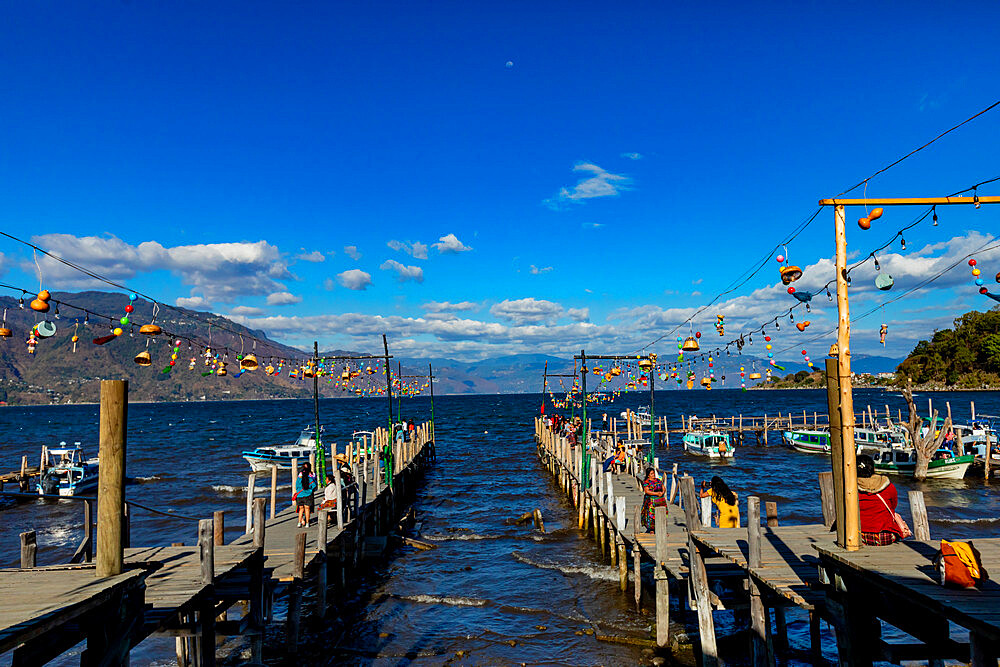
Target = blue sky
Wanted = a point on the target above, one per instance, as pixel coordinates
(589, 174)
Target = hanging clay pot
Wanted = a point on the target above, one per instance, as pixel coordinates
(249, 363)
(884, 281)
(150, 330)
(143, 358)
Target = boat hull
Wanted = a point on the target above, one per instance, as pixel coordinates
(694, 444)
(801, 442)
(951, 468)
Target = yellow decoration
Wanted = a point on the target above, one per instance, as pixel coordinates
(118, 331)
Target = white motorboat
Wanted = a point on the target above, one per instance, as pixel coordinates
(713, 444)
(280, 456)
(67, 472)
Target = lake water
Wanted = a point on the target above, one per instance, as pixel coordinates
(501, 594)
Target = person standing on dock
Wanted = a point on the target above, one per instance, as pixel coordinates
(727, 502)
(305, 489)
(877, 500)
(653, 497)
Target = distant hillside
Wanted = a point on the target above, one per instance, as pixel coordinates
(967, 356)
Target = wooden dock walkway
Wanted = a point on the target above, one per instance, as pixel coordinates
(767, 569)
(186, 591)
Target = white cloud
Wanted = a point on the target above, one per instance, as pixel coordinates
(417, 249)
(449, 243)
(282, 299)
(592, 225)
(448, 306)
(193, 303)
(632, 156)
(352, 252)
(355, 279)
(600, 183)
(328, 284)
(535, 270)
(315, 256)
(579, 314)
(529, 310)
(403, 272)
(221, 271)
(249, 311)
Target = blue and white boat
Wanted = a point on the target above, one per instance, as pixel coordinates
(713, 444)
(264, 458)
(67, 473)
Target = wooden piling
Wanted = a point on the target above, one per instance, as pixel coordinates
(274, 489)
(295, 594)
(251, 490)
(772, 513)
(699, 578)
(259, 524)
(660, 576)
(918, 510)
(758, 615)
(322, 522)
(219, 528)
(29, 549)
(111, 484)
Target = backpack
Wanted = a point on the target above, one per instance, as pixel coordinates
(958, 564)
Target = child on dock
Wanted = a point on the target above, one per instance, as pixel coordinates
(305, 488)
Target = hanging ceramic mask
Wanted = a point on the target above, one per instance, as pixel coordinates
(883, 281)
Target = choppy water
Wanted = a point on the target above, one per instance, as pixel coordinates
(501, 594)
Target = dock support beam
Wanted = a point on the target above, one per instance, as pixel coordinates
(111, 476)
(660, 575)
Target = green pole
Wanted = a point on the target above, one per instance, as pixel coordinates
(585, 476)
(388, 391)
(430, 374)
(399, 394)
(652, 418)
(320, 454)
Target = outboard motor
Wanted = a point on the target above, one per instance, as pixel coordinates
(50, 484)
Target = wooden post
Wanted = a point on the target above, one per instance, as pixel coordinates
(340, 496)
(259, 524)
(29, 549)
(706, 512)
(836, 448)
(636, 560)
(219, 528)
(699, 578)
(274, 488)
(206, 550)
(826, 498)
(772, 513)
(111, 475)
(251, 489)
(660, 575)
(295, 472)
(852, 521)
(918, 510)
(758, 614)
(295, 594)
(322, 521)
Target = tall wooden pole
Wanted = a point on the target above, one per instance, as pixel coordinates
(388, 393)
(111, 478)
(836, 448)
(399, 394)
(320, 454)
(850, 480)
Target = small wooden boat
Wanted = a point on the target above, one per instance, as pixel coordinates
(713, 444)
(67, 472)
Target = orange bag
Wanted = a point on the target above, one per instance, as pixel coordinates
(958, 563)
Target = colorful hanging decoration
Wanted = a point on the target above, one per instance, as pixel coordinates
(129, 309)
(40, 303)
(882, 334)
(720, 324)
(76, 337)
(866, 223)
(5, 332)
(801, 326)
(32, 342)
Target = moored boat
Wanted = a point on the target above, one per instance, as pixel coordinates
(713, 444)
(67, 472)
(893, 460)
(808, 441)
(280, 456)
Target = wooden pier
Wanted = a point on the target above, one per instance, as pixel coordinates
(197, 593)
(763, 570)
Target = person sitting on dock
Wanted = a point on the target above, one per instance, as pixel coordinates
(330, 495)
(727, 502)
(877, 499)
(305, 488)
(653, 496)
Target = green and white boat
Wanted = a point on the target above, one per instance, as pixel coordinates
(807, 441)
(890, 460)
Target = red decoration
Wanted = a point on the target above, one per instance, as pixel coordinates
(972, 262)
